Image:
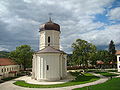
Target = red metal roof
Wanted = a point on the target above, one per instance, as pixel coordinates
(117, 52)
(100, 62)
(6, 61)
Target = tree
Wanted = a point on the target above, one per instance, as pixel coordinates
(93, 58)
(69, 60)
(112, 47)
(104, 55)
(22, 55)
(4, 54)
(82, 51)
(112, 51)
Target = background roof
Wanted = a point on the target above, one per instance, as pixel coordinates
(117, 52)
(6, 61)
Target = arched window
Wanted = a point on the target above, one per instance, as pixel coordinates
(47, 67)
(49, 41)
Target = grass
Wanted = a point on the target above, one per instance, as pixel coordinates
(113, 84)
(8, 79)
(80, 79)
(107, 74)
(112, 70)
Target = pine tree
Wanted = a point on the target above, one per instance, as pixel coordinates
(112, 47)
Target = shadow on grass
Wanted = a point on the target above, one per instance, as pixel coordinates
(107, 74)
(82, 77)
(9, 78)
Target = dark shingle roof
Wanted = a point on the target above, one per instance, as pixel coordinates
(50, 26)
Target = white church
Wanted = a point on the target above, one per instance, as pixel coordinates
(49, 63)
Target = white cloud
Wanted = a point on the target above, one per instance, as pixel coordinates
(114, 14)
(3, 9)
(3, 49)
(103, 37)
(21, 20)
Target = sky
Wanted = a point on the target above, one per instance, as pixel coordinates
(96, 21)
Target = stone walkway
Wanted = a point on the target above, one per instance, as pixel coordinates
(28, 79)
(116, 73)
(10, 86)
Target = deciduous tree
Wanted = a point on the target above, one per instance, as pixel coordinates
(82, 51)
(22, 55)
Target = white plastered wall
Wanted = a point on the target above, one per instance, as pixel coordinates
(57, 66)
(118, 63)
(54, 38)
(4, 70)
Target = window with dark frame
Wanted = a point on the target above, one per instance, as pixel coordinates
(2, 70)
(119, 58)
(47, 67)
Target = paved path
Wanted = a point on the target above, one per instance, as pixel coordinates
(10, 86)
(115, 73)
(28, 79)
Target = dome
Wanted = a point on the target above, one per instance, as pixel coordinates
(50, 26)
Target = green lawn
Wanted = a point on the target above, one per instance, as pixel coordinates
(113, 84)
(8, 78)
(80, 79)
(112, 70)
(107, 74)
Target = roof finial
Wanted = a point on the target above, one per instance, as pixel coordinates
(50, 14)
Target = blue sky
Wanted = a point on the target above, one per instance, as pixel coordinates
(96, 21)
(104, 18)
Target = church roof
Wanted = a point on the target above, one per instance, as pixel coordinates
(50, 49)
(50, 25)
(117, 52)
(6, 61)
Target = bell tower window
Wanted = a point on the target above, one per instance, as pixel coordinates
(49, 41)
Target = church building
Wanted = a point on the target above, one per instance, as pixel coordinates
(49, 63)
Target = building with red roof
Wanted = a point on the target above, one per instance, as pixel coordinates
(8, 68)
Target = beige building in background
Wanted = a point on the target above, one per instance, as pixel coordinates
(118, 60)
(49, 63)
(8, 68)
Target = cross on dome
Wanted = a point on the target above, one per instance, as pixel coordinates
(50, 14)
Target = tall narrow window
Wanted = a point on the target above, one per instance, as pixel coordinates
(49, 41)
(47, 67)
(119, 58)
(2, 70)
